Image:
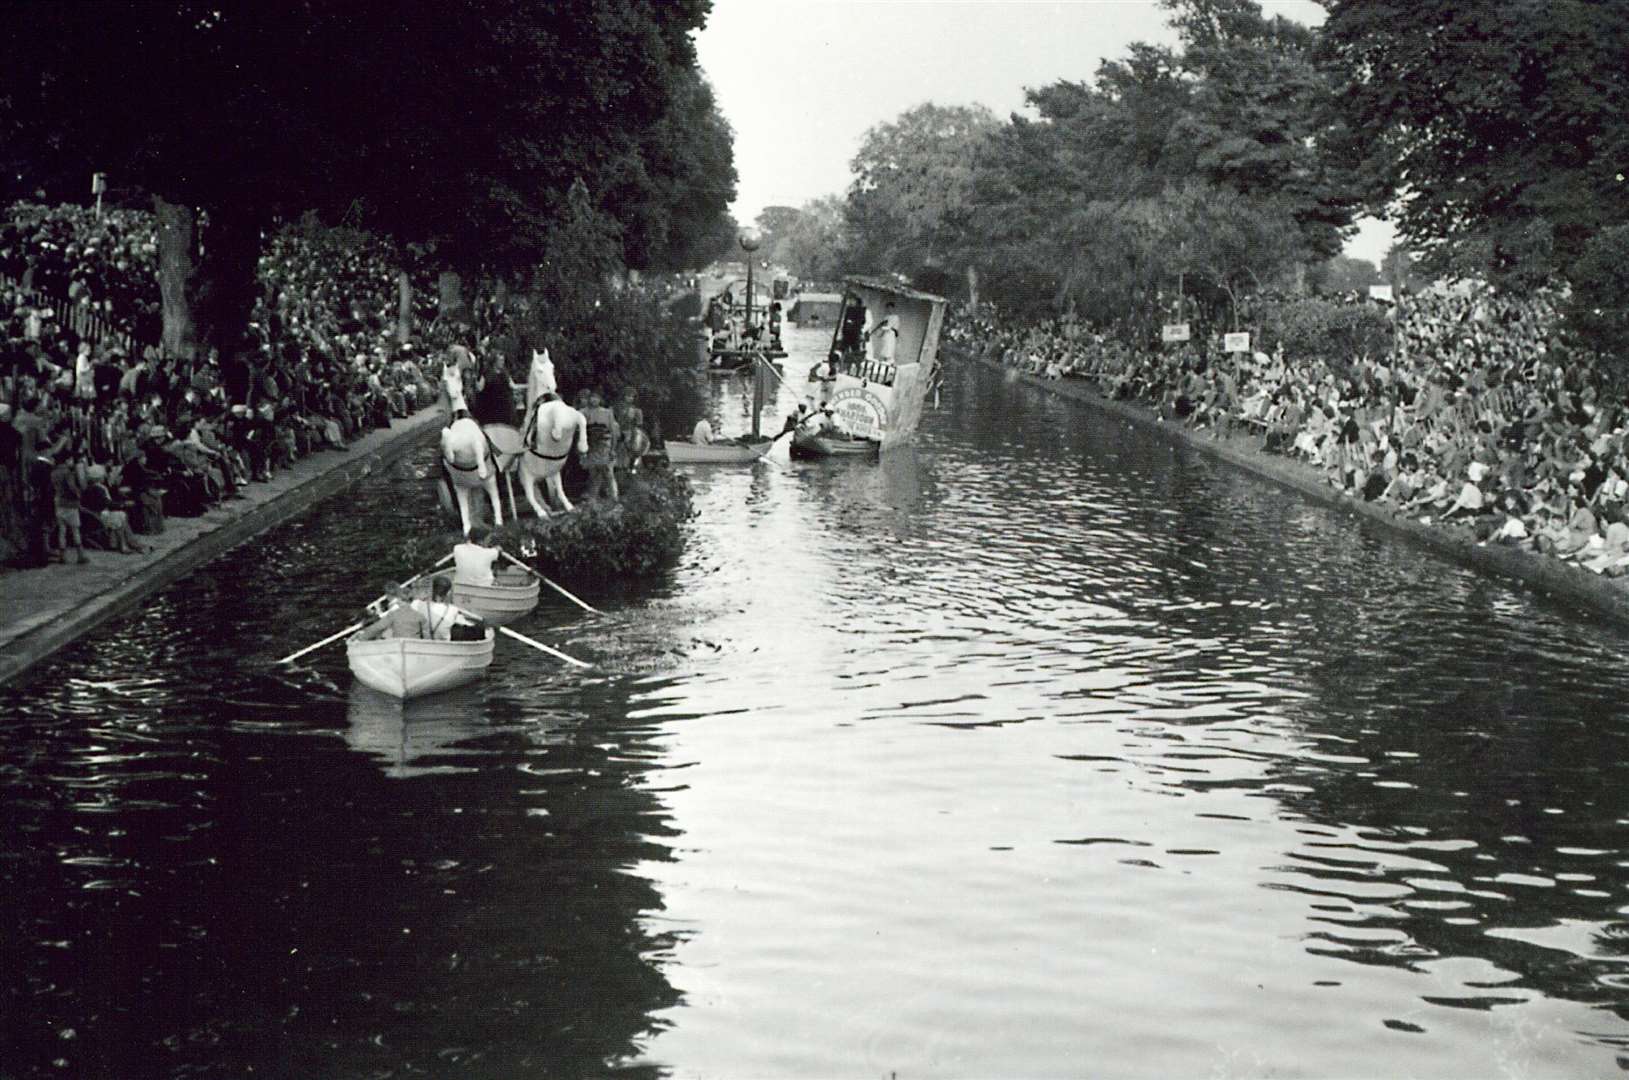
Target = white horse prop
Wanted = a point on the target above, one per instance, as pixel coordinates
(467, 454)
(539, 451)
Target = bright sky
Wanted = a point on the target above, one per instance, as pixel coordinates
(801, 80)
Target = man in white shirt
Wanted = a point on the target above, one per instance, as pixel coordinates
(703, 433)
(474, 558)
(439, 613)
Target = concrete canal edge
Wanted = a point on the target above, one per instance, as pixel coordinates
(48, 608)
(1565, 583)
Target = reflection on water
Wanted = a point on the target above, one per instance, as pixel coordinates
(1041, 744)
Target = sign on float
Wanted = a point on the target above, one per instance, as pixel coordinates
(859, 411)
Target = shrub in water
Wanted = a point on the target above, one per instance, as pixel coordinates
(636, 536)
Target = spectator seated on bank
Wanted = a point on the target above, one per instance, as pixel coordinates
(1477, 383)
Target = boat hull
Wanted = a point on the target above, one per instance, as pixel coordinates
(680, 452)
(809, 444)
(408, 668)
(514, 594)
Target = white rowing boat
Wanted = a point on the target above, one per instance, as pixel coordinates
(683, 452)
(408, 668)
(513, 594)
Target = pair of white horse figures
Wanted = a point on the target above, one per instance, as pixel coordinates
(477, 456)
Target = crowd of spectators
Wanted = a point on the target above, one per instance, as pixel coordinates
(1478, 415)
(110, 435)
(106, 263)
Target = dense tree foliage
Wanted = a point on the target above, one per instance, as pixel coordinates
(810, 240)
(1192, 170)
(1497, 134)
(1343, 274)
(912, 182)
(459, 125)
(1499, 129)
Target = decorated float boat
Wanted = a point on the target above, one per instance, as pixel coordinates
(740, 330)
(732, 452)
(408, 668)
(877, 403)
(512, 594)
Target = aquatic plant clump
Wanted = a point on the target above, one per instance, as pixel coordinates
(636, 536)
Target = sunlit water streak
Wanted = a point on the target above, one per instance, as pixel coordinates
(1042, 750)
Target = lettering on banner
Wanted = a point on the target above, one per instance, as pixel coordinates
(859, 411)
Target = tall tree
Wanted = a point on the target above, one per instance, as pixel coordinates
(812, 247)
(1091, 204)
(1497, 131)
(460, 124)
(911, 177)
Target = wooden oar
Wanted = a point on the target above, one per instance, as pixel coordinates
(538, 645)
(354, 627)
(421, 573)
(557, 588)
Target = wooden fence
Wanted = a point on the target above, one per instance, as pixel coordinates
(93, 326)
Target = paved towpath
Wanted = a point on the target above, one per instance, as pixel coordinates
(45, 609)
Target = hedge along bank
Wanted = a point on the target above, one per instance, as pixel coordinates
(1562, 581)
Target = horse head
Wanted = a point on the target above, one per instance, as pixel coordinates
(540, 380)
(452, 379)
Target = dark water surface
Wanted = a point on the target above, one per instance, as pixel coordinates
(1042, 750)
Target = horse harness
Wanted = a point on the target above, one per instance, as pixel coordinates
(491, 449)
(531, 426)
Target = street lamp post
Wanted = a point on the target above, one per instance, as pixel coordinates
(749, 241)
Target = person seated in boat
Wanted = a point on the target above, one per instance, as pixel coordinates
(400, 620)
(702, 434)
(474, 558)
(795, 419)
(442, 620)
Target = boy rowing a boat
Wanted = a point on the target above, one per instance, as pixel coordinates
(474, 558)
(401, 620)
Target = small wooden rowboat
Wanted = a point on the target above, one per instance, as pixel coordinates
(513, 594)
(408, 668)
(810, 444)
(734, 452)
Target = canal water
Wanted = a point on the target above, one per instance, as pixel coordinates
(1045, 749)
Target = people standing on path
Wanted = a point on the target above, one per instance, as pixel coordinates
(66, 487)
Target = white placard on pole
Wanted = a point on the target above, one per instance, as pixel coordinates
(1380, 292)
(1239, 342)
(1174, 332)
